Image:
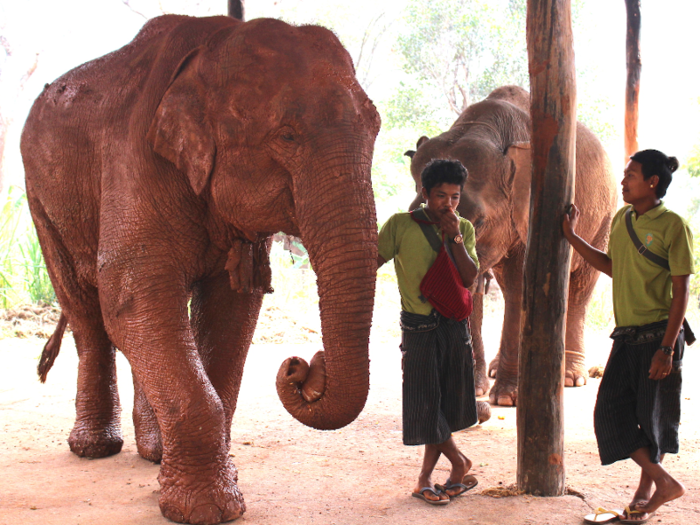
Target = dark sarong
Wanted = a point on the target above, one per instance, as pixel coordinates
(633, 411)
(438, 378)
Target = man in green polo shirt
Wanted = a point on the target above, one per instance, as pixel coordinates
(637, 412)
(438, 366)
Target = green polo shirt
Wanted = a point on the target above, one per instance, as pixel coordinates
(402, 239)
(641, 288)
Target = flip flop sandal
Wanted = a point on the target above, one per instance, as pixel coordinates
(420, 495)
(624, 518)
(602, 515)
(468, 483)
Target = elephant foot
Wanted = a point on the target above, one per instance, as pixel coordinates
(504, 393)
(483, 410)
(149, 446)
(99, 443)
(482, 385)
(190, 497)
(493, 365)
(148, 440)
(576, 373)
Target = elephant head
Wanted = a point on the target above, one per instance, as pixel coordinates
(491, 139)
(275, 134)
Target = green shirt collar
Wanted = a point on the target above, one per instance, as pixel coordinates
(652, 213)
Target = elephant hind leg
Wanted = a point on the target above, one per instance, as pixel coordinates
(581, 286)
(97, 429)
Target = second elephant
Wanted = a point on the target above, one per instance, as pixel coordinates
(492, 139)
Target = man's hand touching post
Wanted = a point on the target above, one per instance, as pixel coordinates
(596, 258)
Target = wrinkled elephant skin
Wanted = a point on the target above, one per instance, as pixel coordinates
(156, 176)
(491, 138)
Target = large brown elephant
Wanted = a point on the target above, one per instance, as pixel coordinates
(155, 176)
(491, 138)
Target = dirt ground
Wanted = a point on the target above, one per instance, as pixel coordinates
(292, 474)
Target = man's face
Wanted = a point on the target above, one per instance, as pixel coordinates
(442, 198)
(634, 187)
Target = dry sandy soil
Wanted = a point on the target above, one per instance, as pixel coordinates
(292, 474)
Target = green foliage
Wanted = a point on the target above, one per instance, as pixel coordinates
(23, 275)
(692, 165)
(455, 52)
(595, 114)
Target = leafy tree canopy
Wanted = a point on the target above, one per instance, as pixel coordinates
(459, 50)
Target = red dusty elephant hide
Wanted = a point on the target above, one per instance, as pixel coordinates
(156, 176)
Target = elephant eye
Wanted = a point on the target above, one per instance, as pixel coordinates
(287, 134)
(285, 141)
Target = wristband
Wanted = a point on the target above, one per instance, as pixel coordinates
(666, 350)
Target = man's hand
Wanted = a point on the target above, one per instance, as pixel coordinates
(570, 220)
(661, 365)
(449, 223)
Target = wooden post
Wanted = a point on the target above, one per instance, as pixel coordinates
(540, 408)
(236, 9)
(634, 74)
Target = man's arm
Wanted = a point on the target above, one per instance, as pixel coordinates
(465, 265)
(596, 258)
(380, 261)
(449, 224)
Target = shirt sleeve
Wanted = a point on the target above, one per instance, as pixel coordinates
(387, 239)
(680, 250)
(469, 235)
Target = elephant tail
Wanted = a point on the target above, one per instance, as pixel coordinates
(51, 349)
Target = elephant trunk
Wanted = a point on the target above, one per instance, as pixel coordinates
(337, 218)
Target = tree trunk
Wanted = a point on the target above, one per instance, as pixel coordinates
(634, 73)
(540, 419)
(236, 9)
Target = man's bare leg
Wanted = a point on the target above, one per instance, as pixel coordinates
(430, 459)
(644, 489)
(460, 463)
(667, 488)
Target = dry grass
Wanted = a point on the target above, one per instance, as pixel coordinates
(29, 320)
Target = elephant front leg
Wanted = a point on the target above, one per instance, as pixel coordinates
(198, 480)
(481, 380)
(504, 391)
(223, 323)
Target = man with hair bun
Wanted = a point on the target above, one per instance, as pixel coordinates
(438, 366)
(650, 259)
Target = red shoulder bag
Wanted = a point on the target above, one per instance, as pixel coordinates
(442, 285)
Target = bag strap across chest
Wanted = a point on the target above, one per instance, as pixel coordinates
(431, 235)
(641, 249)
(425, 224)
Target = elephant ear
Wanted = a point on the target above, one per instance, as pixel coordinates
(521, 168)
(180, 130)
